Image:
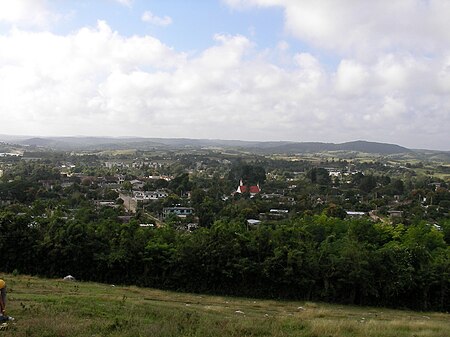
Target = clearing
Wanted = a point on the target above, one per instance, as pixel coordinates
(45, 307)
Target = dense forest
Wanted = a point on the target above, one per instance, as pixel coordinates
(313, 257)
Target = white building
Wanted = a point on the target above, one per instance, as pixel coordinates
(149, 195)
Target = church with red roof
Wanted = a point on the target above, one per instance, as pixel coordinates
(253, 190)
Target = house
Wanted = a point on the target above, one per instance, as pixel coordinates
(279, 211)
(436, 186)
(109, 181)
(271, 196)
(9, 154)
(253, 190)
(112, 164)
(191, 226)
(253, 222)
(48, 184)
(274, 214)
(149, 195)
(395, 214)
(163, 177)
(106, 203)
(354, 214)
(137, 184)
(146, 225)
(181, 212)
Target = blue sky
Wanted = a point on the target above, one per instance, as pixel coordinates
(194, 22)
(297, 70)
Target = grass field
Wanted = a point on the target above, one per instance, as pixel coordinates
(48, 308)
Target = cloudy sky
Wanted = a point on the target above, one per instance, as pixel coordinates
(300, 70)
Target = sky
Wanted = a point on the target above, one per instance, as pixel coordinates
(296, 70)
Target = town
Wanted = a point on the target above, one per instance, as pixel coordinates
(199, 187)
(129, 214)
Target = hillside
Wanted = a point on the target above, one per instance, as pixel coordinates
(349, 150)
(356, 146)
(44, 307)
(70, 143)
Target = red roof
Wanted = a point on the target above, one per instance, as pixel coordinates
(251, 189)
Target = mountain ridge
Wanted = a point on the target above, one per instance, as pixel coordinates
(97, 143)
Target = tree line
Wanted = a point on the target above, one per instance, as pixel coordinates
(318, 258)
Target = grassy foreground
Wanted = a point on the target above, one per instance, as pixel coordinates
(57, 308)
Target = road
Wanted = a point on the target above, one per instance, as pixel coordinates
(129, 203)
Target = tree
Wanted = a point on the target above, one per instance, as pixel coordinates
(367, 183)
(335, 211)
(127, 186)
(319, 175)
(250, 174)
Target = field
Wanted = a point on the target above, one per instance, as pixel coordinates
(48, 308)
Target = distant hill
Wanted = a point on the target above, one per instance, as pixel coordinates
(373, 147)
(358, 146)
(138, 143)
(43, 142)
(440, 156)
(90, 143)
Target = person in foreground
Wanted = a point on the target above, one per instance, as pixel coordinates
(3, 316)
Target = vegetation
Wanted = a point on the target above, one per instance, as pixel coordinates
(311, 258)
(58, 308)
(366, 231)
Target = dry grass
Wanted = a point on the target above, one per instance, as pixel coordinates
(57, 308)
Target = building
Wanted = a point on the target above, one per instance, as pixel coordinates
(395, 214)
(149, 195)
(181, 212)
(253, 190)
(354, 214)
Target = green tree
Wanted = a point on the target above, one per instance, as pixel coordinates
(319, 175)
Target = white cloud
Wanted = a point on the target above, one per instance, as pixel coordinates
(365, 28)
(26, 13)
(393, 75)
(127, 3)
(98, 82)
(351, 78)
(149, 17)
(57, 80)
